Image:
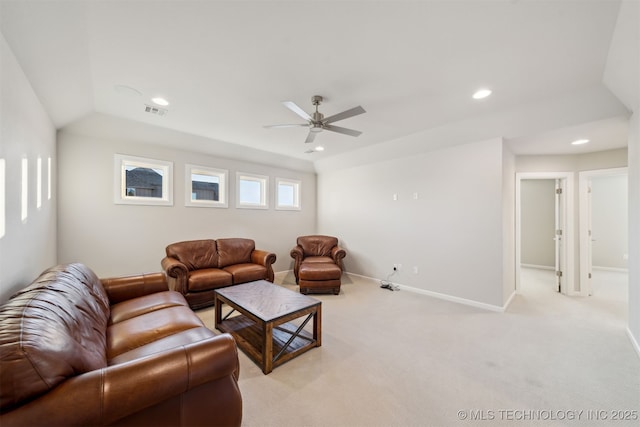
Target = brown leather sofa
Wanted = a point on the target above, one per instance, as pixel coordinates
(195, 268)
(318, 264)
(79, 351)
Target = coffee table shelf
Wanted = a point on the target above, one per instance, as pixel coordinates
(262, 322)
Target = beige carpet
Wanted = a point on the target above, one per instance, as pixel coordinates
(405, 359)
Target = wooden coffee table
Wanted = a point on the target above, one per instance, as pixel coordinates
(262, 325)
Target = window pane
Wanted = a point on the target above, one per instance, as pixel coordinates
(250, 192)
(143, 182)
(205, 187)
(286, 195)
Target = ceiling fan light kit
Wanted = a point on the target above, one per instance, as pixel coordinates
(317, 122)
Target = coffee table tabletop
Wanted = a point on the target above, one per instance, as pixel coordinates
(262, 324)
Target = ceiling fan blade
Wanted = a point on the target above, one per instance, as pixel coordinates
(345, 131)
(345, 114)
(299, 111)
(287, 126)
(310, 137)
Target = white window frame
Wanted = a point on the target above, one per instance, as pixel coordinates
(223, 186)
(297, 205)
(264, 190)
(122, 161)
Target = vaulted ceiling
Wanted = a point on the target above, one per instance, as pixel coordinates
(225, 67)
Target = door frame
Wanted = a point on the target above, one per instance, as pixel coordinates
(567, 180)
(584, 208)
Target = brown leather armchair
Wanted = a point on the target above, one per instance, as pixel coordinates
(318, 264)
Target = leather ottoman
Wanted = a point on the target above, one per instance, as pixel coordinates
(319, 277)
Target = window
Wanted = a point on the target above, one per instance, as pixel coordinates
(287, 194)
(24, 211)
(205, 187)
(142, 181)
(39, 183)
(49, 178)
(2, 212)
(252, 191)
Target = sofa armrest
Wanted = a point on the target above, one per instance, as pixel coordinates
(337, 253)
(263, 257)
(266, 259)
(297, 253)
(127, 287)
(177, 274)
(141, 387)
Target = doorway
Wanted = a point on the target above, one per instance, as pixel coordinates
(554, 248)
(603, 208)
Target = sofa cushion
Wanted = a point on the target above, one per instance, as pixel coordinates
(319, 271)
(317, 245)
(195, 254)
(176, 340)
(209, 278)
(145, 304)
(146, 328)
(234, 251)
(318, 260)
(243, 273)
(51, 330)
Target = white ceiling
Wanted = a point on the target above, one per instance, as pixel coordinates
(413, 65)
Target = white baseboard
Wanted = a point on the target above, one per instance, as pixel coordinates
(614, 269)
(446, 297)
(634, 343)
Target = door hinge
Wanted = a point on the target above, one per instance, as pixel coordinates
(559, 273)
(558, 190)
(589, 275)
(558, 232)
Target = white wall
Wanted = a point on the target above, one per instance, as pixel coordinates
(634, 229)
(609, 221)
(452, 233)
(125, 239)
(508, 224)
(28, 247)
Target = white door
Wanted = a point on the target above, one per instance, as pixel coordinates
(559, 225)
(589, 254)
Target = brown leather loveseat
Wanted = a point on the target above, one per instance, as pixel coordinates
(79, 351)
(195, 268)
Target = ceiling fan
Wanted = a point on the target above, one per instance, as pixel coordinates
(317, 123)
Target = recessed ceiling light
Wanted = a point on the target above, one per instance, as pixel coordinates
(579, 141)
(127, 90)
(481, 93)
(160, 101)
(319, 148)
